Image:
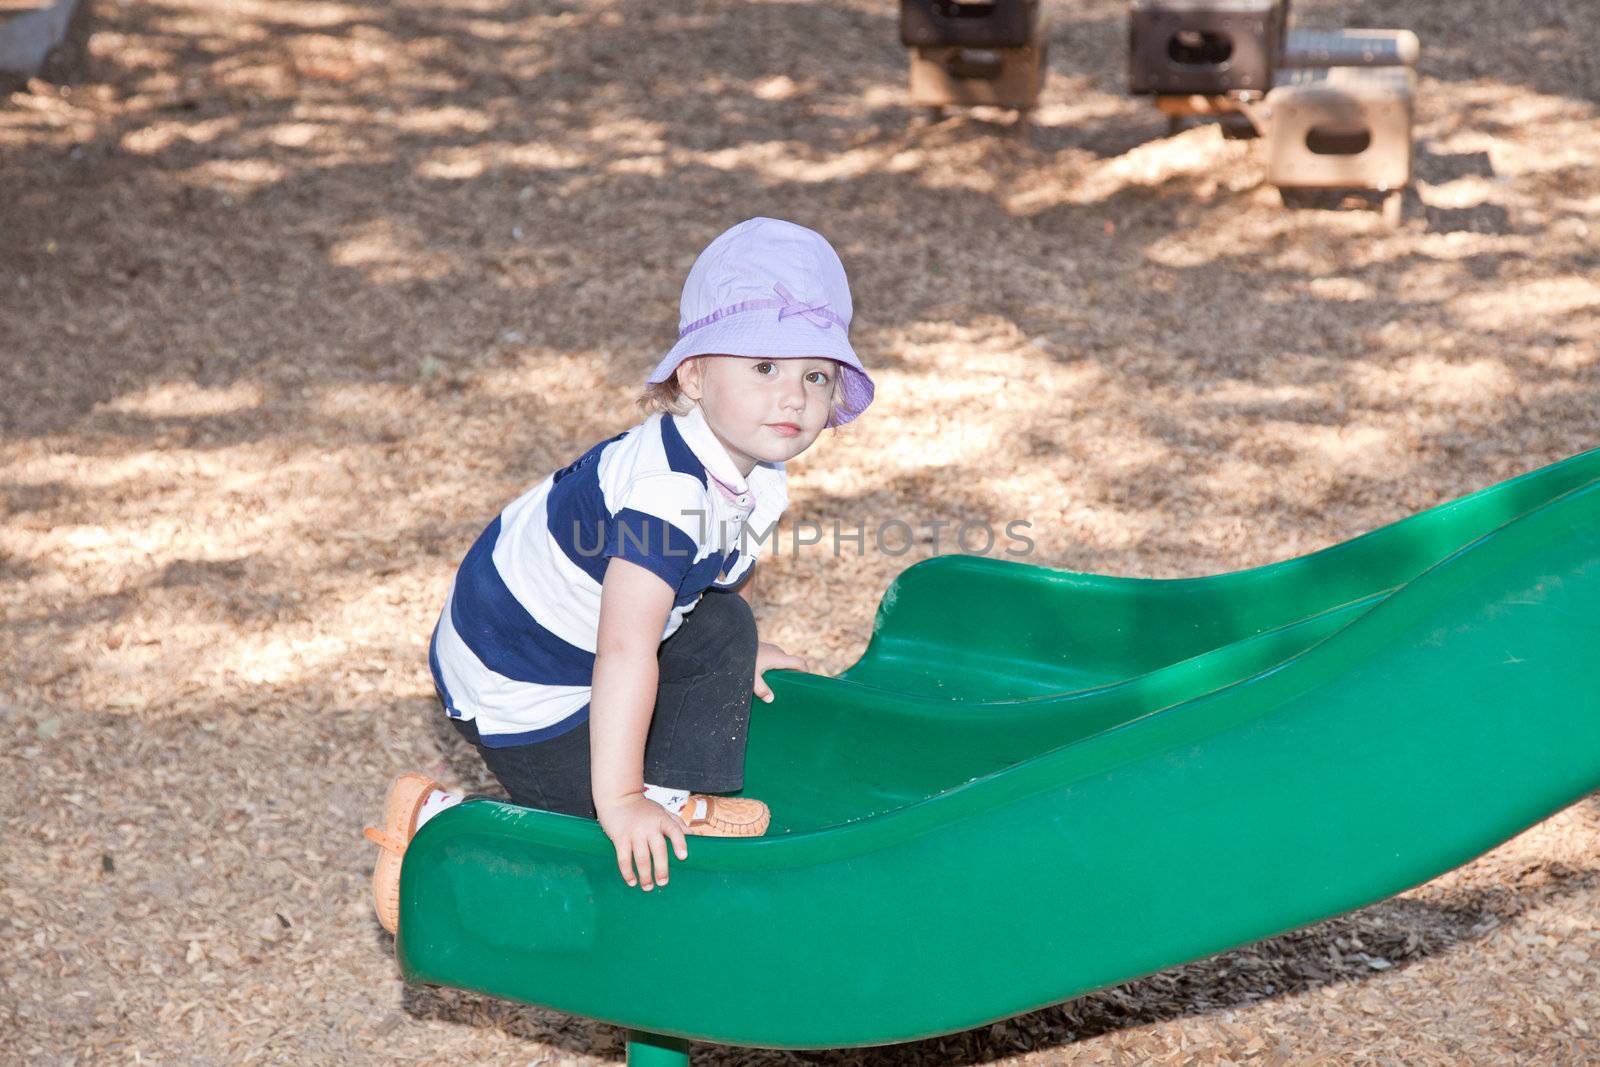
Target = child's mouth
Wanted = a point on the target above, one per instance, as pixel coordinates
(785, 429)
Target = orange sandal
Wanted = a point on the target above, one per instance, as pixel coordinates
(726, 816)
(399, 823)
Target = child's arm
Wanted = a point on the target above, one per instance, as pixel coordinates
(634, 604)
(747, 587)
(768, 655)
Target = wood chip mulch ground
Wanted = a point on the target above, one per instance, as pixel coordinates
(295, 296)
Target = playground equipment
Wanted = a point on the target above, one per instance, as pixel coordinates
(1335, 107)
(966, 52)
(1340, 113)
(1204, 47)
(1205, 57)
(1036, 783)
(1342, 127)
(1350, 48)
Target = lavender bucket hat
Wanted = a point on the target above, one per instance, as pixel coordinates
(772, 289)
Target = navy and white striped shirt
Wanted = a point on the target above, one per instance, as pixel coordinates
(514, 646)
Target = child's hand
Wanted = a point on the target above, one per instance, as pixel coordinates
(639, 829)
(769, 656)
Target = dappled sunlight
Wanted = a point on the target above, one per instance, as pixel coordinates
(297, 134)
(447, 119)
(452, 165)
(130, 473)
(350, 652)
(385, 253)
(882, 97)
(1581, 204)
(965, 374)
(306, 14)
(1472, 387)
(158, 136)
(1462, 193)
(1557, 301)
(307, 292)
(237, 175)
(1084, 103)
(458, 163)
(1465, 247)
(1513, 115)
(798, 163)
(1079, 179)
(1195, 153)
(1348, 290)
(185, 593)
(165, 400)
(1352, 450)
(339, 57)
(1570, 359)
(637, 134)
(645, 166)
(782, 87)
(52, 121)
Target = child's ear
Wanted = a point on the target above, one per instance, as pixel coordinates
(688, 374)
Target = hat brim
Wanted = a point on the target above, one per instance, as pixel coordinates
(756, 335)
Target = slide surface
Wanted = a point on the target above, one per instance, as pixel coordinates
(1036, 783)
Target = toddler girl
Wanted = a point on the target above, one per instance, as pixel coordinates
(597, 646)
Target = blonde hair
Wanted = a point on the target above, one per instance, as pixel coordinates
(667, 396)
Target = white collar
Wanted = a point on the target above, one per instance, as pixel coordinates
(710, 451)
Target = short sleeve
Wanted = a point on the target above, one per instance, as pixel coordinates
(660, 525)
(734, 568)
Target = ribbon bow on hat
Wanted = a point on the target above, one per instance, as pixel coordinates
(813, 312)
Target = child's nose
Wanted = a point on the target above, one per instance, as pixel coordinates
(794, 392)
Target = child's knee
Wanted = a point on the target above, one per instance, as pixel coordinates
(729, 627)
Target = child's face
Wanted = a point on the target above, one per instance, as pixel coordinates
(762, 410)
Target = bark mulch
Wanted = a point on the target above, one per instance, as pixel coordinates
(297, 295)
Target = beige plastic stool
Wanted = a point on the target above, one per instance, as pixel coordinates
(1342, 128)
(962, 77)
(1350, 48)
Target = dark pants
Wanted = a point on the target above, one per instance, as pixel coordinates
(697, 732)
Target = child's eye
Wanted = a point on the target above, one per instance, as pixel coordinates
(819, 376)
(764, 366)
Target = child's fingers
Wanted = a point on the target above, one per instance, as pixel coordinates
(658, 855)
(625, 862)
(680, 840)
(641, 860)
(779, 661)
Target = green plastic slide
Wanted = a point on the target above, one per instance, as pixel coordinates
(1036, 783)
